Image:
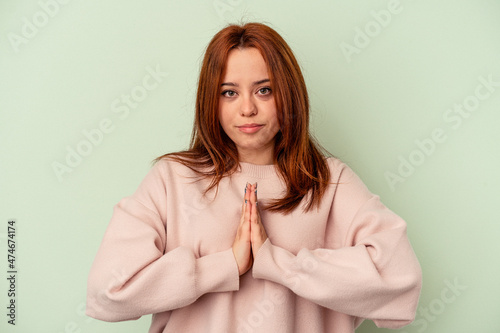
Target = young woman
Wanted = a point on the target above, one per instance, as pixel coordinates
(253, 228)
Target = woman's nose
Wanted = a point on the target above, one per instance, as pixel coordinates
(247, 107)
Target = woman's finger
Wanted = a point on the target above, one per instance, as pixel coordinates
(242, 242)
(258, 232)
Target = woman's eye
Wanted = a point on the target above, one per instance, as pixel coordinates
(228, 93)
(265, 91)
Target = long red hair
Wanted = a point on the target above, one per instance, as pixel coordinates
(299, 159)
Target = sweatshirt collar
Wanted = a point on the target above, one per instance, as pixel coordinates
(258, 171)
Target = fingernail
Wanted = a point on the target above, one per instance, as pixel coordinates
(256, 188)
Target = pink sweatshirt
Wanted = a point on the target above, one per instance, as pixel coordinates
(167, 252)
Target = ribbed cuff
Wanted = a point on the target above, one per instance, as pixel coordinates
(216, 272)
(265, 265)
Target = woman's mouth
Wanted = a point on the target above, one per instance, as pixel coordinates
(250, 128)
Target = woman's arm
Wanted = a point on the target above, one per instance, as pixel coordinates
(374, 275)
(132, 275)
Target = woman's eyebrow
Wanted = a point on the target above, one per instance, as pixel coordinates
(253, 84)
(261, 81)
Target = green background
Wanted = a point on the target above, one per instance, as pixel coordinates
(370, 107)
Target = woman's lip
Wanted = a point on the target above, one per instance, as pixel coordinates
(250, 128)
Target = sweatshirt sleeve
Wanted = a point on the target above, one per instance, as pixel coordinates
(373, 275)
(133, 274)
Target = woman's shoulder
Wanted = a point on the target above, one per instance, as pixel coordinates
(333, 161)
(336, 166)
(179, 167)
(341, 172)
(175, 164)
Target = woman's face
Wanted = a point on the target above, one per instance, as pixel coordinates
(247, 110)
